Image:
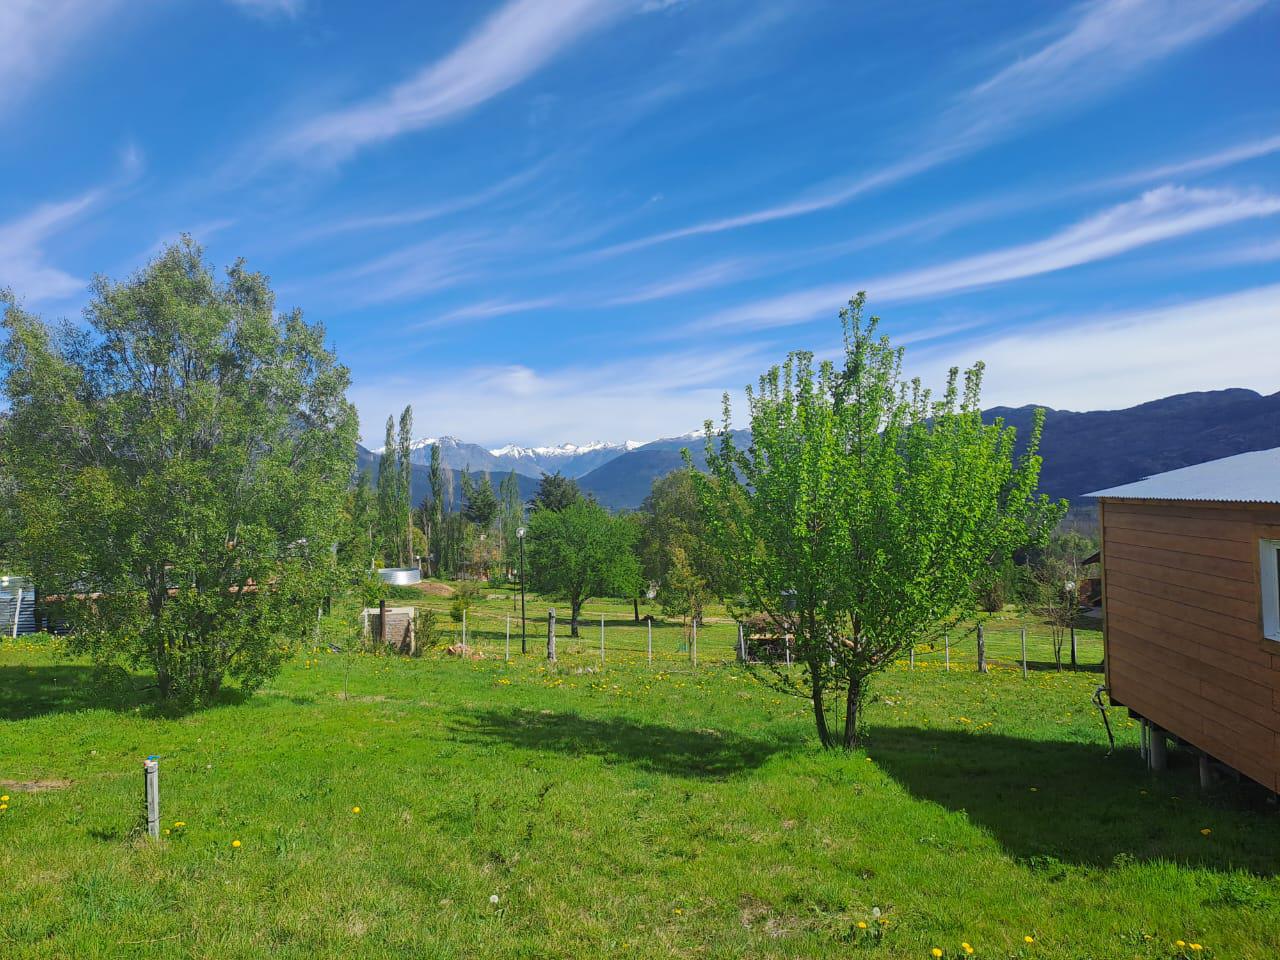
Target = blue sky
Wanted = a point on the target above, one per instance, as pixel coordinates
(564, 220)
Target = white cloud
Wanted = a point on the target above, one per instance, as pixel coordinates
(521, 38)
(1230, 156)
(1159, 214)
(35, 36)
(23, 266)
(1104, 44)
(647, 396)
(270, 8)
(1113, 361)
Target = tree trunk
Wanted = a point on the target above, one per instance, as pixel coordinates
(820, 717)
(635, 605)
(573, 618)
(852, 711)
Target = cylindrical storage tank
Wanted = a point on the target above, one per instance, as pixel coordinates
(400, 576)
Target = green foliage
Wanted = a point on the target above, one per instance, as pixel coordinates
(482, 505)
(426, 628)
(555, 492)
(465, 596)
(180, 469)
(865, 511)
(394, 473)
(675, 550)
(582, 551)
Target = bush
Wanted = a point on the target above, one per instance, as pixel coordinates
(464, 598)
(426, 628)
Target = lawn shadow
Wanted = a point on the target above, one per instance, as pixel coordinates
(33, 691)
(1049, 801)
(653, 747)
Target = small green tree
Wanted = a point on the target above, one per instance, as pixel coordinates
(435, 537)
(180, 469)
(580, 552)
(860, 517)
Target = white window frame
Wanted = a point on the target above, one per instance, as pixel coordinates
(1269, 556)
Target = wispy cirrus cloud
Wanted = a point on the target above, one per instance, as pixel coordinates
(24, 266)
(267, 9)
(1100, 46)
(35, 35)
(519, 39)
(1119, 359)
(1159, 214)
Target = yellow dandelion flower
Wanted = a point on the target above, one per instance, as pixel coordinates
(355, 809)
(1205, 832)
(4, 799)
(966, 948)
(936, 952)
(1179, 943)
(1195, 946)
(235, 843)
(862, 924)
(1028, 939)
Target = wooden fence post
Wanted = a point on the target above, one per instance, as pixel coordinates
(1075, 661)
(551, 634)
(946, 649)
(382, 622)
(693, 647)
(650, 623)
(602, 639)
(982, 650)
(507, 655)
(1024, 651)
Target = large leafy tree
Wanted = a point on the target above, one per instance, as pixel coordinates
(579, 552)
(555, 492)
(861, 514)
(180, 470)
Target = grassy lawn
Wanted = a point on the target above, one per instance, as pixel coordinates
(629, 812)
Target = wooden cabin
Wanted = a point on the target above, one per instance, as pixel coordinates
(1191, 609)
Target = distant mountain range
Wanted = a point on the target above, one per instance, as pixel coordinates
(1082, 451)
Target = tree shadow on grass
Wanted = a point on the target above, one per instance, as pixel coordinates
(33, 691)
(1086, 807)
(652, 747)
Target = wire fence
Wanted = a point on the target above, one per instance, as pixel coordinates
(610, 637)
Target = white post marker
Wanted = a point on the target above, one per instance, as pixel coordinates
(650, 622)
(151, 790)
(742, 643)
(551, 634)
(17, 612)
(946, 647)
(913, 656)
(507, 655)
(1024, 651)
(693, 649)
(602, 639)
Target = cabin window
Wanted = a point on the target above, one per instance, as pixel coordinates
(1271, 589)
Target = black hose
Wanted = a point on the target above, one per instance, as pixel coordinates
(1097, 702)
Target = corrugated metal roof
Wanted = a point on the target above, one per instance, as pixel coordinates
(1245, 478)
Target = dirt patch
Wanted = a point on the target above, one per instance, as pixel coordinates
(34, 786)
(435, 589)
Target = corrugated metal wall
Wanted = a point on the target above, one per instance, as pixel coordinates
(11, 588)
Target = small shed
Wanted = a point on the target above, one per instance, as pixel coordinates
(1191, 608)
(398, 632)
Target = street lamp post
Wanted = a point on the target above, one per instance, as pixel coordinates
(524, 636)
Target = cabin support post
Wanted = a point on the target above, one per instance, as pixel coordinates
(1206, 772)
(1157, 750)
(382, 623)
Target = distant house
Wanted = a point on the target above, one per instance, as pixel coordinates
(17, 606)
(1191, 590)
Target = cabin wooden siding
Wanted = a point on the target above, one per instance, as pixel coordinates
(1183, 613)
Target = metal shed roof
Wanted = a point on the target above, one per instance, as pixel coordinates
(1245, 478)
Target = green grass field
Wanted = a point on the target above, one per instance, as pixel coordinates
(629, 812)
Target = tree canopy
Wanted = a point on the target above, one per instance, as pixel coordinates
(865, 513)
(181, 470)
(580, 552)
(555, 492)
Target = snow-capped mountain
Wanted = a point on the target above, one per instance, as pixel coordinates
(571, 459)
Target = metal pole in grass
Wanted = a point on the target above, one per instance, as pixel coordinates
(151, 789)
(650, 622)
(602, 639)
(693, 647)
(946, 649)
(524, 637)
(913, 656)
(507, 656)
(742, 643)
(1024, 651)
(464, 629)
